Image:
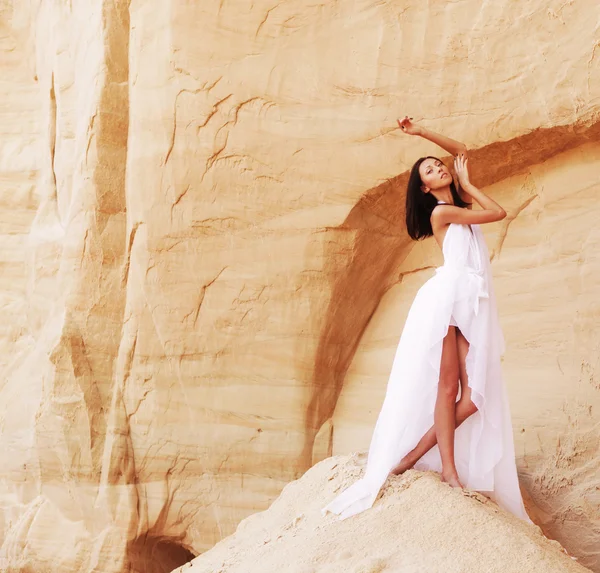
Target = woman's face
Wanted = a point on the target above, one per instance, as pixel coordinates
(434, 174)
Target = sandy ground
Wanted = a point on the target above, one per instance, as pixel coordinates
(418, 525)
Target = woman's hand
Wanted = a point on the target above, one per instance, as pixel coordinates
(462, 173)
(407, 126)
(490, 212)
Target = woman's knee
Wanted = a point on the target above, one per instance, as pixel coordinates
(448, 385)
(467, 408)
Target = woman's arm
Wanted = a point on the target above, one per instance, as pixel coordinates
(446, 214)
(450, 145)
(491, 211)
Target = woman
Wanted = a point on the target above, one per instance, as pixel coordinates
(446, 407)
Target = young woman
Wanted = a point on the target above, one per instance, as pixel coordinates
(446, 407)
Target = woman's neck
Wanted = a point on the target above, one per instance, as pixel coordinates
(444, 195)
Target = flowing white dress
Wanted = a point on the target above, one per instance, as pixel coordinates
(460, 293)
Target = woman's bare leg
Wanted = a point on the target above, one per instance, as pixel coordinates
(444, 414)
(463, 409)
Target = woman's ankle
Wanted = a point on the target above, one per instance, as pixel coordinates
(449, 472)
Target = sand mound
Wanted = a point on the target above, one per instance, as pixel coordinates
(418, 525)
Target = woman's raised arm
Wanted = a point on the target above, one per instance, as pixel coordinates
(450, 145)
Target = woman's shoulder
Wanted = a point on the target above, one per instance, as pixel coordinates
(437, 209)
(438, 217)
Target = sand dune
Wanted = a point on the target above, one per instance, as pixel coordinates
(418, 525)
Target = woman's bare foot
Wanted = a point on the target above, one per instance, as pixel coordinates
(452, 480)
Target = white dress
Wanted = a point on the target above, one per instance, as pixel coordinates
(460, 293)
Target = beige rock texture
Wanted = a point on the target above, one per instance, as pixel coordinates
(205, 266)
(463, 532)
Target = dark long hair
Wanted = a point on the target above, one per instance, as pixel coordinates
(420, 205)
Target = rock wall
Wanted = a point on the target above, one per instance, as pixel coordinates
(206, 269)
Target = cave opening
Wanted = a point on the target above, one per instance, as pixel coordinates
(154, 554)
